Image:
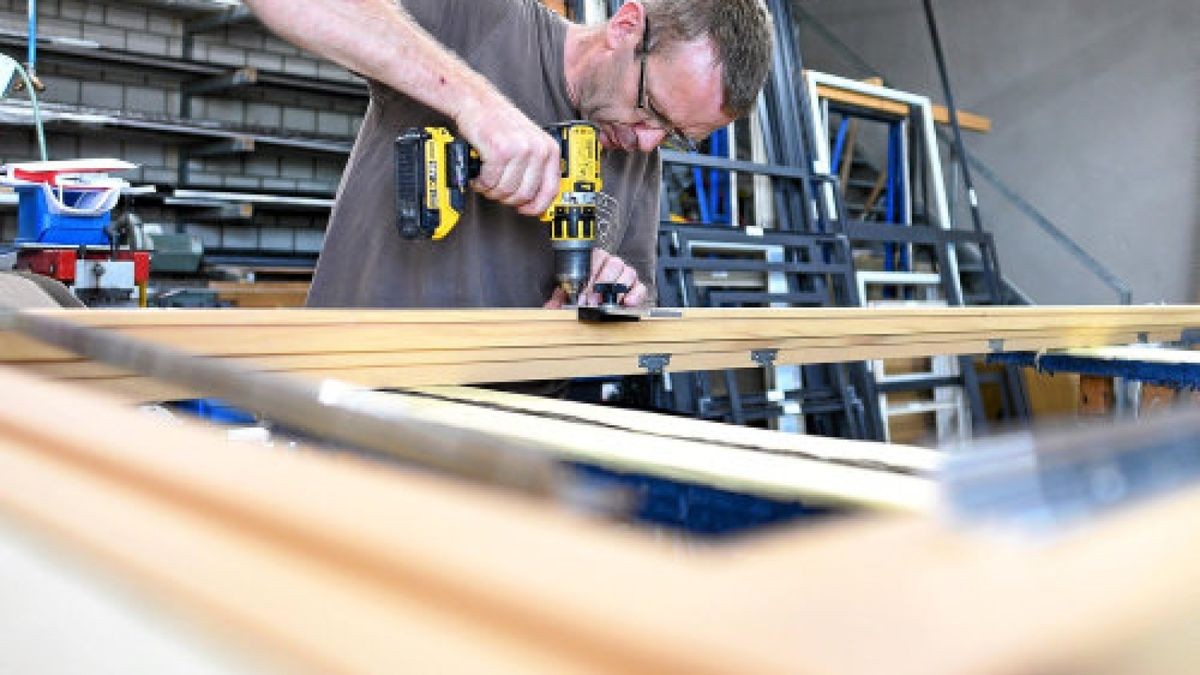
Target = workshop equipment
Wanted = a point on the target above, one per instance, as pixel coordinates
(176, 253)
(65, 228)
(434, 169)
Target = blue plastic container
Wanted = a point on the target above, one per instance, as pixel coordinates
(214, 410)
(39, 221)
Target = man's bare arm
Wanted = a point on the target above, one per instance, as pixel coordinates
(377, 39)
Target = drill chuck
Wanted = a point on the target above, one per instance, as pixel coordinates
(572, 266)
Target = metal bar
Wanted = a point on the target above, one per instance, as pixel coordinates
(859, 230)
(214, 210)
(237, 77)
(741, 264)
(745, 298)
(68, 115)
(979, 420)
(700, 234)
(852, 405)
(791, 119)
(917, 384)
(50, 49)
(736, 413)
(331, 409)
(229, 146)
(952, 110)
(31, 50)
(309, 202)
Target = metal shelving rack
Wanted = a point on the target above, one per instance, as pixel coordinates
(194, 139)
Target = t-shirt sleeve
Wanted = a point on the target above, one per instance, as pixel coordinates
(458, 24)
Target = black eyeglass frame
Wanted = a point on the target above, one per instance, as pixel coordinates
(675, 138)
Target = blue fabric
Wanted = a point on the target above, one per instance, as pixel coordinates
(698, 509)
(1179, 375)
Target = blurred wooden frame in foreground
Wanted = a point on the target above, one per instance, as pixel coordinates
(329, 564)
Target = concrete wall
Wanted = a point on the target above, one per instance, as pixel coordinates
(154, 95)
(1096, 105)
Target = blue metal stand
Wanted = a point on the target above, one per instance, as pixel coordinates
(712, 185)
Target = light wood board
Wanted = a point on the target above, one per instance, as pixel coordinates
(812, 469)
(382, 348)
(331, 565)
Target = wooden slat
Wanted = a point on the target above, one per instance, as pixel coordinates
(310, 348)
(468, 371)
(262, 293)
(967, 120)
(754, 461)
(918, 459)
(1064, 315)
(419, 347)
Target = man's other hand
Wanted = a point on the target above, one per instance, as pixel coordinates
(606, 268)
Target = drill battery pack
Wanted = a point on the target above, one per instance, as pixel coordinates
(433, 172)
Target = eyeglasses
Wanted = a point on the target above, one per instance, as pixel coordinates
(675, 139)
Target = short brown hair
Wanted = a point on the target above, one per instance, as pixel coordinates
(740, 30)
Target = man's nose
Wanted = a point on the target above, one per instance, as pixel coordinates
(649, 138)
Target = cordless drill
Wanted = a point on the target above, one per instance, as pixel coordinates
(433, 174)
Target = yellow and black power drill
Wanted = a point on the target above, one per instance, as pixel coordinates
(434, 170)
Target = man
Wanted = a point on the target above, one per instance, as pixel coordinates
(494, 72)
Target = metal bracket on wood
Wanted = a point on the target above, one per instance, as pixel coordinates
(996, 345)
(1143, 338)
(764, 357)
(1189, 336)
(654, 364)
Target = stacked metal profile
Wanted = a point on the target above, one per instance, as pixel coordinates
(810, 254)
(803, 261)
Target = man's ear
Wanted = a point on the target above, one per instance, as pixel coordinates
(625, 27)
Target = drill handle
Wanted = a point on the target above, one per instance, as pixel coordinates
(464, 163)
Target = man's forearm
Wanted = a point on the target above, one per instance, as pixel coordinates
(376, 38)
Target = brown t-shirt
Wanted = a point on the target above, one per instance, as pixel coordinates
(495, 257)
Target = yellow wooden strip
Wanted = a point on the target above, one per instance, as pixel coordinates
(967, 120)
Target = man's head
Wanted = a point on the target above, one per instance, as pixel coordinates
(672, 71)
